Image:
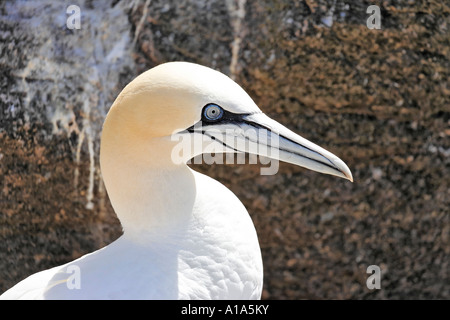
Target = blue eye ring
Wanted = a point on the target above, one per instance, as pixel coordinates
(212, 112)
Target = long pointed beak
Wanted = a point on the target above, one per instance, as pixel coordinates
(257, 134)
(278, 142)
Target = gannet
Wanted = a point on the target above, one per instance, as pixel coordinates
(185, 235)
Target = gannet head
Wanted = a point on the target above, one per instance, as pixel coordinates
(192, 101)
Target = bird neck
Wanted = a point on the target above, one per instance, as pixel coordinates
(148, 191)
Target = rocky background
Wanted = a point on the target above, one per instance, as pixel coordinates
(377, 98)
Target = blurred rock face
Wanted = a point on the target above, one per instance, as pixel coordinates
(57, 86)
(379, 99)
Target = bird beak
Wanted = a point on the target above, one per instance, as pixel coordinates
(257, 134)
(275, 141)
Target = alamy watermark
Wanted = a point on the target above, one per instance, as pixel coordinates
(213, 145)
(74, 20)
(74, 280)
(374, 21)
(373, 281)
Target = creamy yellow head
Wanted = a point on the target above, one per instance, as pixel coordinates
(136, 154)
(171, 96)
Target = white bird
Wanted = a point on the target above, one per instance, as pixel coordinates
(185, 235)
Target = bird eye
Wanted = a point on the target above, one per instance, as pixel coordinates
(212, 112)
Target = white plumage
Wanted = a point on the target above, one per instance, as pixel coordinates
(186, 236)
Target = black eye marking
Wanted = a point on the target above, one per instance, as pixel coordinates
(213, 114)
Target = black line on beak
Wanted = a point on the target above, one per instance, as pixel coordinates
(239, 118)
(330, 164)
